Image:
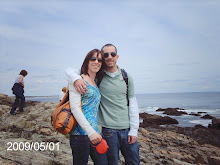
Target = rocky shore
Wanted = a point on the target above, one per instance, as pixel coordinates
(158, 144)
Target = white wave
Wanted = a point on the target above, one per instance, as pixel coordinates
(148, 109)
(202, 122)
(199, 110)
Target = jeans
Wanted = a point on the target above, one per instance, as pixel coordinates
(81, 149)
(118, 139)
(15, 105)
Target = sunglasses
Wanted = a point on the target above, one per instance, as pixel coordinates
(113, 54)
(93, 59)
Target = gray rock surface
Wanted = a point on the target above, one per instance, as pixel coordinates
(33, 126)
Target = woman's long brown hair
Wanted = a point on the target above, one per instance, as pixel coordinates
(84, 68)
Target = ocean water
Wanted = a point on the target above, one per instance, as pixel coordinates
(54, 99)
(208, 102)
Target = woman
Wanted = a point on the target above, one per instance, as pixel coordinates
(62, 93)
(18, 90)
(87, 131)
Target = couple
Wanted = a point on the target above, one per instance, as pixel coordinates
(119, 121)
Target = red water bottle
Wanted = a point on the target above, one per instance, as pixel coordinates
(101, 147)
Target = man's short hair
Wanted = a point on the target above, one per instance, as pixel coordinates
(106, 45)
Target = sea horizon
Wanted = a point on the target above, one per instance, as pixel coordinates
(135, 94)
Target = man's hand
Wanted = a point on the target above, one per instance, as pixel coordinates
(132, 139)
(80, 86)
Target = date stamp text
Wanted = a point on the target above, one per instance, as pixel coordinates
(35, 146)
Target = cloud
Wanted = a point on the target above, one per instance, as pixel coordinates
(39, 81)
(170, 46)
(183, 64)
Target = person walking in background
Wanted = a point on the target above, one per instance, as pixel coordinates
(87, 130)
(119, 120)
(18, 91)
(62, 93)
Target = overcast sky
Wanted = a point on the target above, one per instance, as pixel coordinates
(166, 45)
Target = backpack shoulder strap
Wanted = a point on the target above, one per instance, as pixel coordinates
(125, 77)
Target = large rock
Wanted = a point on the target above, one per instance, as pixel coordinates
(3, 96)
(150, 120)
(202, 134)
(215, 123)
(214, 160)
(172, 111)
(207, 117)
(159, 146)
(195, 114)
(6, 100)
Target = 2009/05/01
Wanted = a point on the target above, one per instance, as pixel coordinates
(36, 146)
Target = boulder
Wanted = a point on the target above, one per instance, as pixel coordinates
(207, 117)
(195, 114)
(214, 160)
(172, 111)
(150, 120)
(202, 134)
(3, 96)
(215, 123)
(202, 112)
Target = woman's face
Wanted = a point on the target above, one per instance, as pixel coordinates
(95, 63)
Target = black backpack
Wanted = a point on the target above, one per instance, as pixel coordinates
(125, 77)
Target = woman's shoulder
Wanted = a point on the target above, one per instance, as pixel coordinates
(85, 77)
(90, 85)
(87, 80)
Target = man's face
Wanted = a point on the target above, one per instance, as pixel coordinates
(110, 60)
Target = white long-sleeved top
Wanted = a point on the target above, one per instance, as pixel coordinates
(73, 74)
(133, 116)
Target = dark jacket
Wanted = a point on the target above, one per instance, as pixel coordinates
(18, 89)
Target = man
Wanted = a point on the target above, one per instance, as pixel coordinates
(119, 121)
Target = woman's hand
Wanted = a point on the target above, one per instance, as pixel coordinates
(95, 138)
